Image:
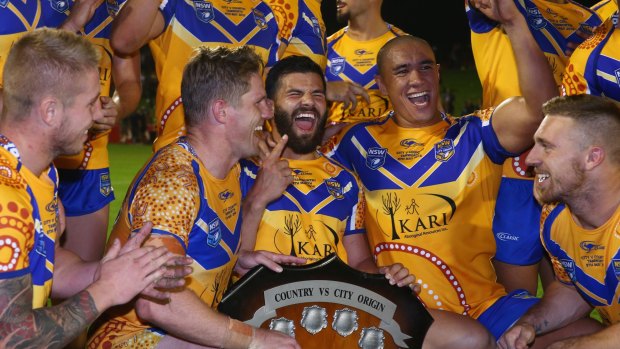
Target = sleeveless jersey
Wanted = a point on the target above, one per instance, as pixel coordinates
(322, 206)
(189, 205)
(189, 24)
(356, 61)
(553, 27)
(594, 67)
(587, 259)
(430, 196)
(302, 29)
(28, 222)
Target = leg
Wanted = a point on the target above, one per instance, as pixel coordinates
(455, 331)
(86, 235)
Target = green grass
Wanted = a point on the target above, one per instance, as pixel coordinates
(125, 162)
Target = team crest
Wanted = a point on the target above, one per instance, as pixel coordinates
(105, 186)
(60, 5)
(569, 267)
(444, 150)
(3, 3)
(336, 65)
(617, 73)
(375, 157)
(535, 18)
(316, 27)
(204, 11)
(214, 235)
(259, 19)
(616, 265)
(334, 188)
(113, 7)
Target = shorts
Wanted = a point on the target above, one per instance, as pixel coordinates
(516, 224)
(84, 191)
(506, 311)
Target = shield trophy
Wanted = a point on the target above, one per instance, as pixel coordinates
(328, 304)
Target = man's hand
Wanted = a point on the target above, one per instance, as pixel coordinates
(110, 113)
(81, 12)
(501, 11)
(274, 175)
(398, 275)
(249, 259)
(346, 92)
(517, 337)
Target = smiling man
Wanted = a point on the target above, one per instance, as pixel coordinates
(577, 162)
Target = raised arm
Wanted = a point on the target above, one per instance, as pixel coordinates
(516, 119)
(127, 83)
(138, 22)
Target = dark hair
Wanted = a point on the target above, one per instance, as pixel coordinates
(289, 65)
(597, 119)
(216, 73)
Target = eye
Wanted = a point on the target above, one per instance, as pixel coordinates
(401, 72)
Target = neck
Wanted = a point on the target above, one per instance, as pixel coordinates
(367, 26)
(289, 154)
(36, 156)
(213, 151)
(599, 204)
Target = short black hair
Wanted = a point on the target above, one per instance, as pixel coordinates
(289, 65)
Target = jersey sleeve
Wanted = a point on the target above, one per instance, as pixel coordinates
(17, 228)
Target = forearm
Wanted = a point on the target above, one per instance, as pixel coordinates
(252, 213)
(607, 338)
(128, 86)
(71, 274)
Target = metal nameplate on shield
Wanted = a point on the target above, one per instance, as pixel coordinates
(328, 304)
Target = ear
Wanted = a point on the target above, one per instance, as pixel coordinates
(50, 110)
(219, 108)
(382, 88)
(595, 157)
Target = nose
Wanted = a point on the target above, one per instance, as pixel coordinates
(533, 158)
(307, 99)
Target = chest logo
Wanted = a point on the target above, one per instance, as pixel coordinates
(444, 150)
(225, 195)
(204, 11)
(535, 18)
(336, 65)
(590, 246)
(375, 157)
(334, 188)
(214, 235)
(259, 19)
(59, 5)
(113, 7)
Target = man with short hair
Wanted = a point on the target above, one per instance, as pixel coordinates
(51, 99)
(577, 162)
(191, 192)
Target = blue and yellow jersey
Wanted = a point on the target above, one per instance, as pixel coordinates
(17, 18)
(430, 197)
(189, 24)
(553, 26)
(605, 8)
(302, 29)
(28, 222)
(352, 60)
(589, 259)
(97, 31)
(193, 212)
(594, 67)
(322, 206)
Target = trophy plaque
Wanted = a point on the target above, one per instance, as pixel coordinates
(328, 304)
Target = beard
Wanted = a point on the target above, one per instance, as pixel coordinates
(566, 188)
(342, 18)
(300, 144)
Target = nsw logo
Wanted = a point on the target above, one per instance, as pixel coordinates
(506, 237)
(444, 150)
(113, 7)
(375, 157)
(316, 27)
(569, 267)
(60, 5)
(204, 11)
(214, 235)
(259, 19)
(535, 18)
(590, 246)
(336, 65)
(616, 265)
(334, 188)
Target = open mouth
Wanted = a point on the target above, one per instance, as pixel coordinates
(542, 177)
(420, 99)
(305, 121)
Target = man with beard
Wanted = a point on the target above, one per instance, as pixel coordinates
(577, 162)
(318, 209)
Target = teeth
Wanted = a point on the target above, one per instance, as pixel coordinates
(419, 94)
(258, 128)
(542, 177)
(310, 116)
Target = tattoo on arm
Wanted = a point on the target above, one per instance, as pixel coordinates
(540, 328)
(47, 327)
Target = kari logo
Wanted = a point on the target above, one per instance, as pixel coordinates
(535, 18)
(225, 195)
(506, 237)
(214, 235)
(569, 267)
(334, 188)
(60, 5)
(444, 150)
(204, 11)
(375, 157)
(336, 65)
(616, 266)
(259, 19)
(590, 246)
(105, 186)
